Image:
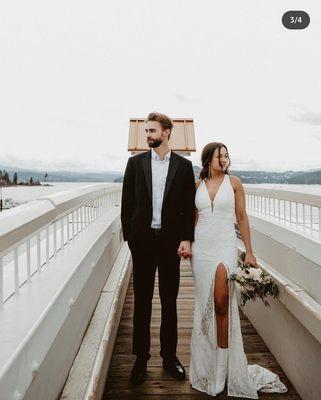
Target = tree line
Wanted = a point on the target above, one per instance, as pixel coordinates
(5, 179)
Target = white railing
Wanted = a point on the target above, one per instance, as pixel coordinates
(296, 210)
(32, 234)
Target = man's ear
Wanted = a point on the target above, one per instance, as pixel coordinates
(167, 131)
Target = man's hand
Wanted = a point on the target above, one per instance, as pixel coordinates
(184, 250)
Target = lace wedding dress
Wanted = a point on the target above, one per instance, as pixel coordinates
(215, 243)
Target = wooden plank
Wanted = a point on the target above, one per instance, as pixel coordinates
(159, 385)
(182, 137)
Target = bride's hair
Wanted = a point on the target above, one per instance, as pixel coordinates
(207, 155)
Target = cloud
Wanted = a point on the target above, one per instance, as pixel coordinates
(316, 136)
(91, 163)
(185, 99)
(77, 123)
(303, 114)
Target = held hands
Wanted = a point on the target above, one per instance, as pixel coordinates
(251, 260)
(184, 250)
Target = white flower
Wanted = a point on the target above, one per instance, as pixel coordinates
(242, 273)
(238, 285)
(255, 273)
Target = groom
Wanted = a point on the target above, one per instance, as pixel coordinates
(157, 218)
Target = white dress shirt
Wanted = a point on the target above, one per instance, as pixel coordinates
(159, 175)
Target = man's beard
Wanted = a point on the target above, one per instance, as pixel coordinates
(154, 143)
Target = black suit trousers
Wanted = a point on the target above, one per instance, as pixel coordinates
(150, 252)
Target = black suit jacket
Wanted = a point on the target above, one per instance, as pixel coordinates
(177, 217)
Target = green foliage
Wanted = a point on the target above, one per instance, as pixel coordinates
(253, 288)
(6, 177)
(6, 181)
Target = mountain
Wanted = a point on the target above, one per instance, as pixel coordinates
(307, 178)
(310, 177)
(62, 176)
(288, 177)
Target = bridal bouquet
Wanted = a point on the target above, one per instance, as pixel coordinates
(253, 282)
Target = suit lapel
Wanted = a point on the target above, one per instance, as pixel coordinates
(172, 168)
(147, 166)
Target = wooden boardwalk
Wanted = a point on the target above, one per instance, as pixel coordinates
(158, 384)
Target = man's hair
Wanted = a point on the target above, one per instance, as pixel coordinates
(164, 120)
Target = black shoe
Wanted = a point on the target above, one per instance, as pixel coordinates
(138, 373)
(175, 369)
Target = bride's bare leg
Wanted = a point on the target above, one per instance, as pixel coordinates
(221, 294)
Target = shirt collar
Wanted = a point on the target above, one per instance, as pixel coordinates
(156, 157)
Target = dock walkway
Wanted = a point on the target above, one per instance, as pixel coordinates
(159, 385)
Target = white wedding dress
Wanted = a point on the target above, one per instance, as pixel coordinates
(215, 243)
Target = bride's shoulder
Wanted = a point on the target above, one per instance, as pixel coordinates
(235, 181)
(197, 183)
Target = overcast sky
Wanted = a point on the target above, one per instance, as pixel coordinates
(73, 72)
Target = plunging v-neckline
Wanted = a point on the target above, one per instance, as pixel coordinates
(208, 193)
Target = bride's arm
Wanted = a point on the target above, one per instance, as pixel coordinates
(197, 183)
(242, 219)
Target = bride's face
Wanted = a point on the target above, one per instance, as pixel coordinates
(220, 160)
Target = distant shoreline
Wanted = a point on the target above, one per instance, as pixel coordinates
(25, 185)
(291, 177)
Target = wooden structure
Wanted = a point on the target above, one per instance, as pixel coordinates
(182, 139)
(159, 385)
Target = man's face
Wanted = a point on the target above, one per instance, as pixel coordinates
(154, 134)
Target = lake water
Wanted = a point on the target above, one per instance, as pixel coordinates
(309, 189)
(26, 193)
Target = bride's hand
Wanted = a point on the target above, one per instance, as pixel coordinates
(184, 250)
(251, 260)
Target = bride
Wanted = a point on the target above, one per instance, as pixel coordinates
(217, 353)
